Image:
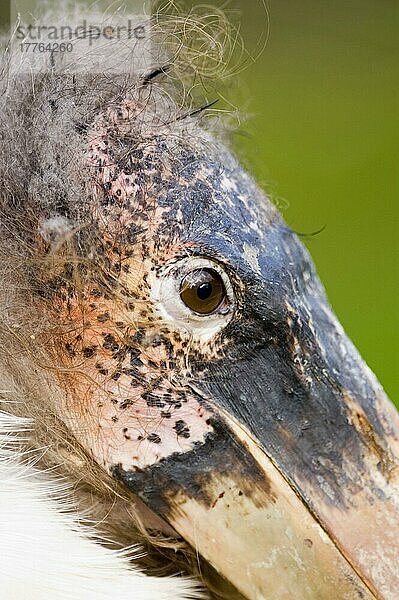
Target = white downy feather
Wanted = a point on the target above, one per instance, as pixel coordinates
(47, 555)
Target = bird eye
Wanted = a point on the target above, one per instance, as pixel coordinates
(193, 295)
(202, 291)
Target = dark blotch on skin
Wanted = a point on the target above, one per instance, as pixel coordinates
(89, 352)
(193, 473)
(110, 342)
(103, 318)
(182, 429)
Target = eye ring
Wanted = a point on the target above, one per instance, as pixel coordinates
(203, 291)
(167, 283)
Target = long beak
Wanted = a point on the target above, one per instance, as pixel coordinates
(295, 494)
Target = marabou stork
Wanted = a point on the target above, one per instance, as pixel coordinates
(172, 374)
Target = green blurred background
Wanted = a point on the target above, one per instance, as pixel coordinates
(322, 139)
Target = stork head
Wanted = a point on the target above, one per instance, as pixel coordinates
(198, 360)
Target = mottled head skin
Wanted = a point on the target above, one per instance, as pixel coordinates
(149, 397)
(150, 207)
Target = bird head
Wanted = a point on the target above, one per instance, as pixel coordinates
(193, 351)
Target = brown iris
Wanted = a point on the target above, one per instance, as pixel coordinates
(203, 291)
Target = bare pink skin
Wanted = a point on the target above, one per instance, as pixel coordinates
(125, 403)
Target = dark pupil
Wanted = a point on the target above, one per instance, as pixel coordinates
(204, 291)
